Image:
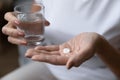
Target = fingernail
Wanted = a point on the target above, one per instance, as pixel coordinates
(23, 43)
(26, 55)
(21, 34)
(17, 22)
(37, 48)
(34, 58)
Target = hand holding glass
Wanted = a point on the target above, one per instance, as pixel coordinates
(31, 17)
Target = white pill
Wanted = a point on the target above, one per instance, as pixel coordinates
(66, 50)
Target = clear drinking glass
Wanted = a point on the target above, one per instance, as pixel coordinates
(31, 17)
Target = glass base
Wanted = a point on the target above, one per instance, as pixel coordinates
(34, 44)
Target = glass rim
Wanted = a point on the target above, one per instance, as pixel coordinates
(28, 3)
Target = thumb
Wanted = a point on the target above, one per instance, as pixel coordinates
(74, 60)
(78, 58)
(70, 63)
(47, 23)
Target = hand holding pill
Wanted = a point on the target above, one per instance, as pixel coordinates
(71, 53)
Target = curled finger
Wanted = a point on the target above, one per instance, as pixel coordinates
(18, 41)
(8, 30)
(10, 17)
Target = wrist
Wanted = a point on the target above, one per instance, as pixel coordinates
(109, 55)
(102, 45)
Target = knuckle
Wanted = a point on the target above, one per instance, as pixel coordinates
(9, 16)
(4, 29)
(6, 15)
(9, 39)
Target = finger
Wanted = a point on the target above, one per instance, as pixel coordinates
(32, 52)
(48, 52)
(10, 16)
(71, 62)
(77, 59)
(29, 53)
(69, 65)
(8, 30)
(53, 59)
(48, 48)
(47, 23)
(18, 41)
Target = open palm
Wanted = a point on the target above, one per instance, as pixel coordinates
(82, 47)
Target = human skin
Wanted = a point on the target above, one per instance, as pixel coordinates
(15, 36)
(83, 47)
